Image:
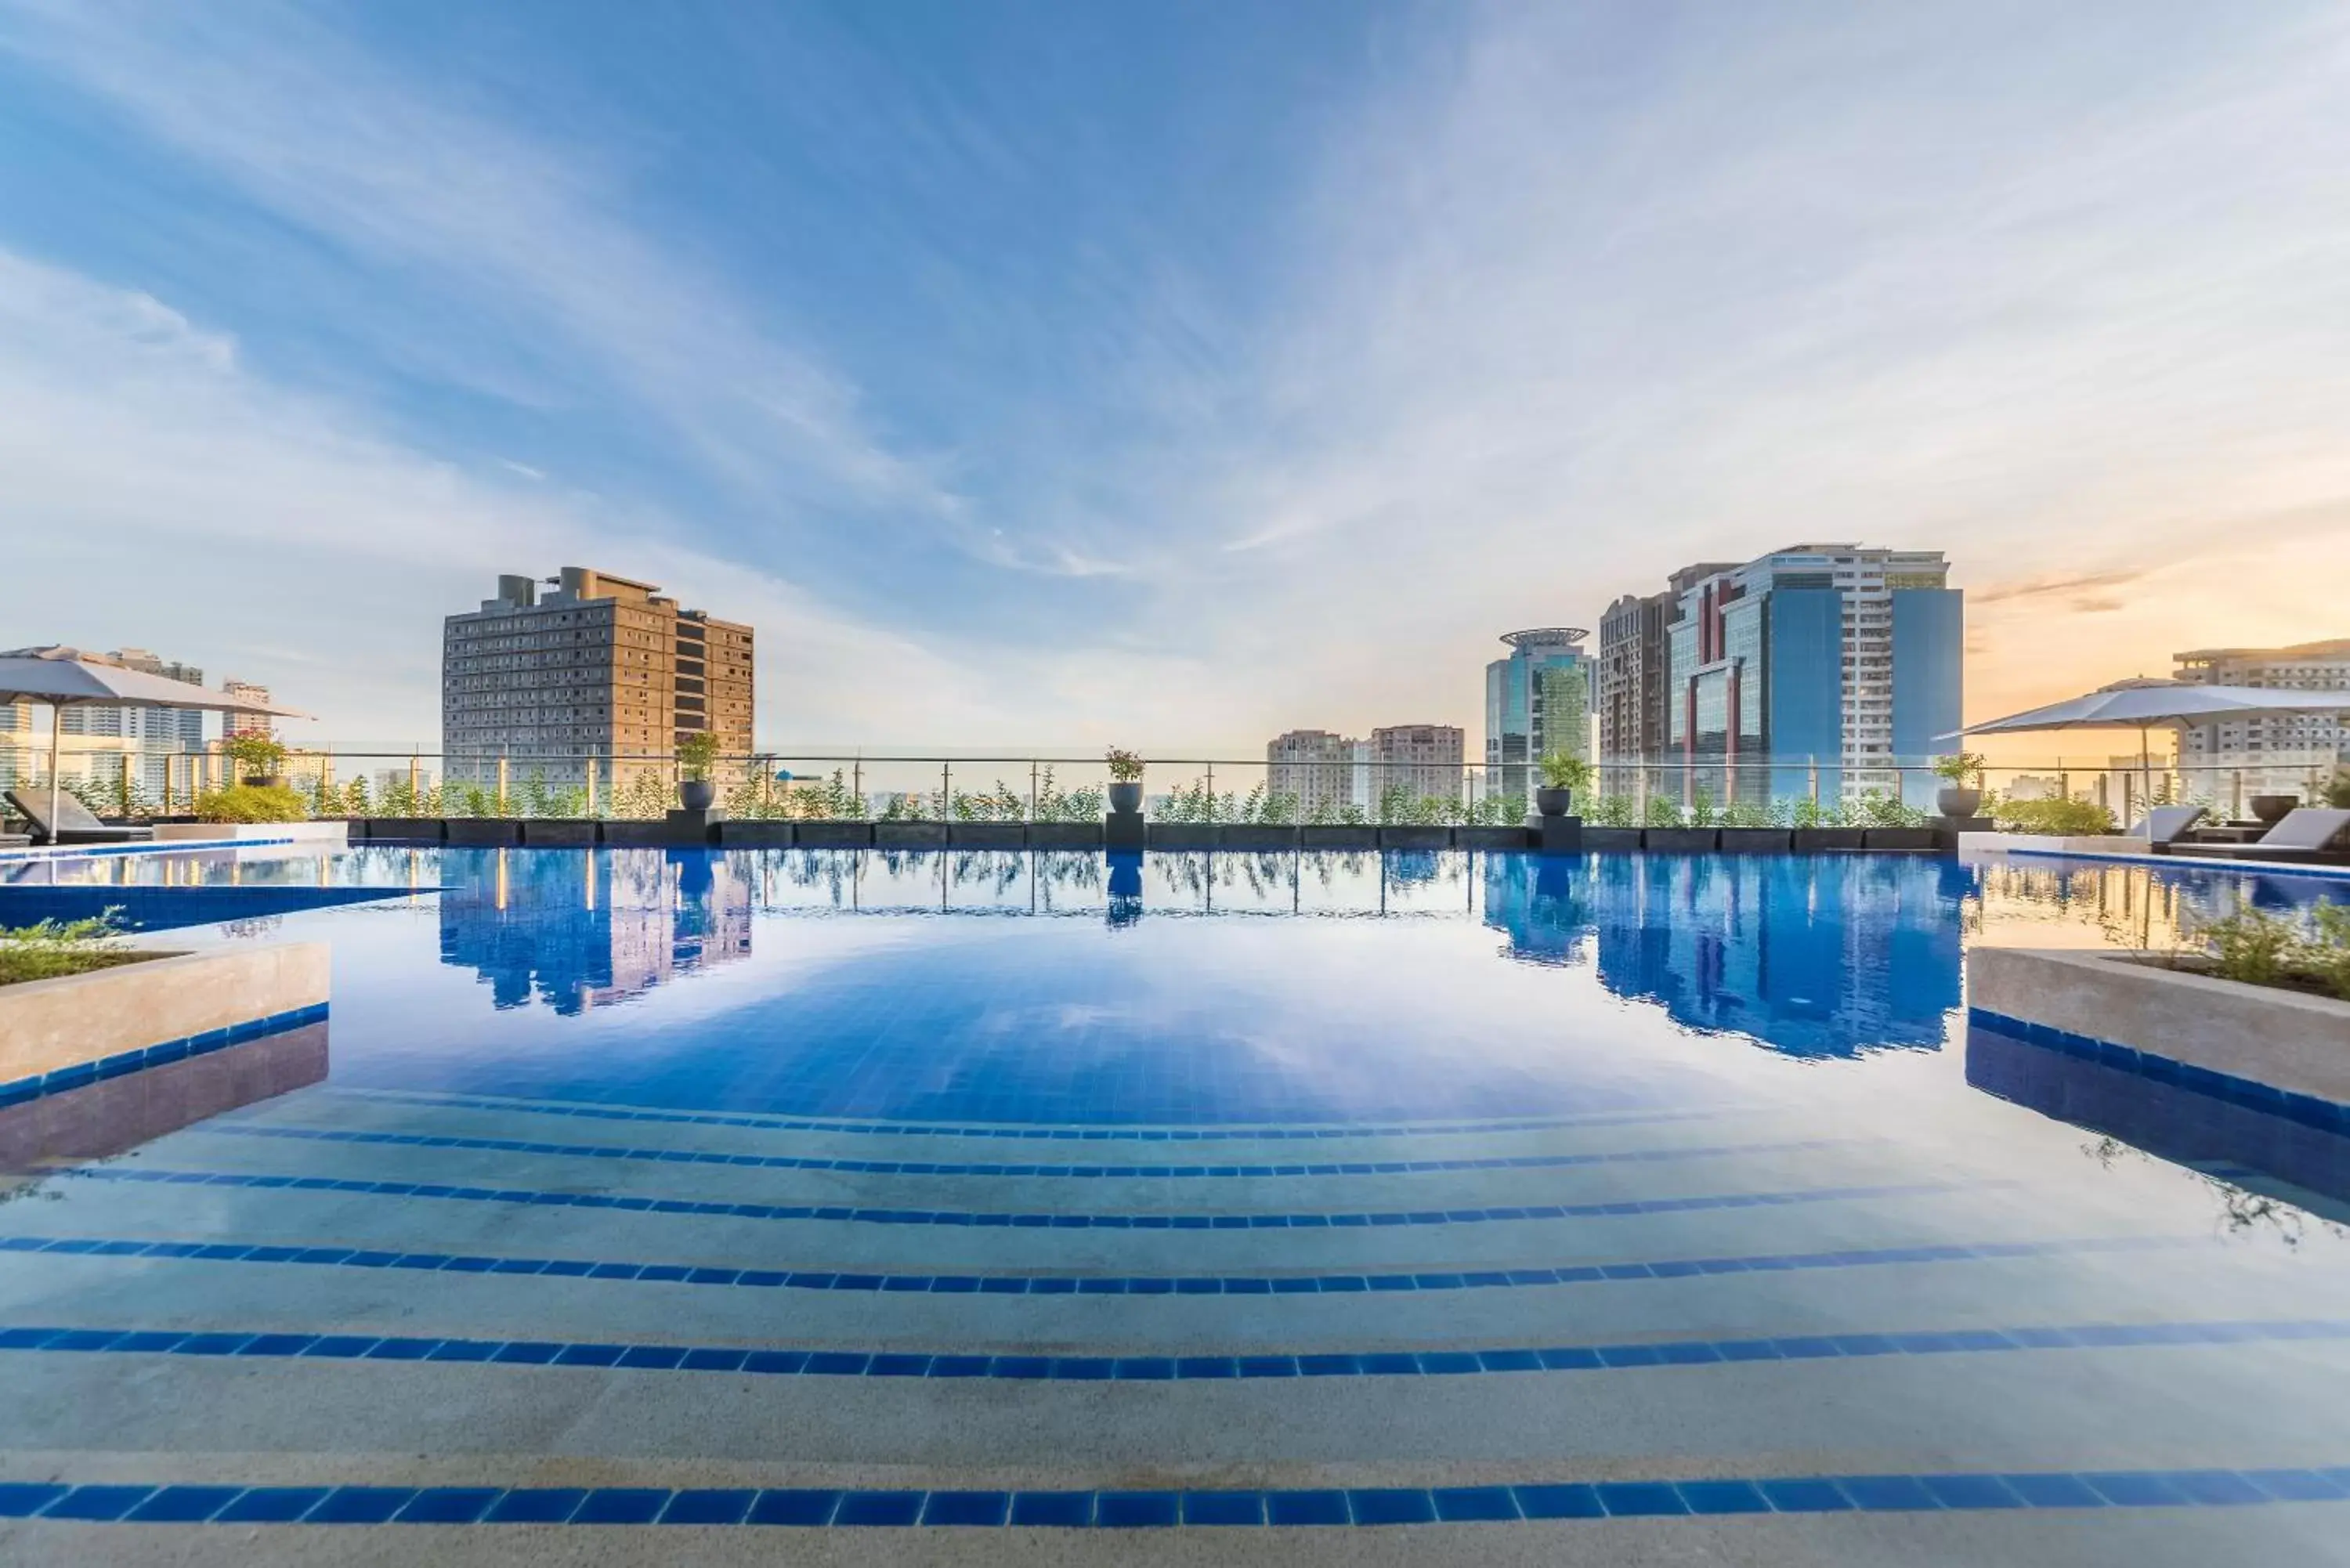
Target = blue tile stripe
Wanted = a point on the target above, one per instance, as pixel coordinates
(1968, 1492)
(984, 1219)
(265, 1344)
(934, 1167)
(145, 847)
(1236, 1132)
(2307, 1110)
(84, 1073)
(1070, 1284)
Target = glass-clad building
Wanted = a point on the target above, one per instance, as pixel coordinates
(1537, 700)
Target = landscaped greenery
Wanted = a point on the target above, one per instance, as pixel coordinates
(257, 753)
(2061, 818)
(251, 803)
(2259, 948)
(56, 947)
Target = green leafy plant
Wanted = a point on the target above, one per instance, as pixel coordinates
(1125, 767)
(2060, 818)
(52, 949)
(1662, 811)
(697, 754)
(251, 803)
(1701, 812)
(2326, 955)
(2337, 790)
(2251, 947)
(1810, 813)
(258, 751)
(1610, 811)
(1883, 809)
(1958, 767)
(1751, 814)
(1564, 770)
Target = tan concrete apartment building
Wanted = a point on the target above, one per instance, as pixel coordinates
(1313, 767)
(602, 667)
(1423, 759)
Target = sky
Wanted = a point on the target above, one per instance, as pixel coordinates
(1171, 375)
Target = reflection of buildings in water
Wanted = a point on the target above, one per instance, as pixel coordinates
(117, 1114)
(1814, 957)
(586, 929)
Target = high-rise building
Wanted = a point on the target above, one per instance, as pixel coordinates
(1634, 675)
(148, 736)
(1314, 768)
(250, 692)
(1828, 659)
(603, 668)
(2277, 755)
(1537, 701)
(1424, 760)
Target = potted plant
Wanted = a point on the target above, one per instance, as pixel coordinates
(2272, 808)
(1563, 773)
(1125, 780)
(259, 756)
(1957, 798)
(695, 754)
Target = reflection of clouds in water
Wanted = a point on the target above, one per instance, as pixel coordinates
(1055, 1017)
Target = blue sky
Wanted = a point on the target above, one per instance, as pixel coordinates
(1172, 374)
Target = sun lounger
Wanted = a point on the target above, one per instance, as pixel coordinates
(75, 824)
(2307, 833)
(2168, 824)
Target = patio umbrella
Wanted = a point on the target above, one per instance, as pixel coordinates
(65, 677)
(2141, 704)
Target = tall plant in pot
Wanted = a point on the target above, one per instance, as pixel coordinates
(258, 754)
(1956, 798)
(1125, 780)
(1563, 772)
(695, 756)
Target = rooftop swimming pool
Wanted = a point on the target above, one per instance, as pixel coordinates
(1346, 1208)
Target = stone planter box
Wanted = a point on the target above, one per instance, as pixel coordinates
(1899, 839)
(830, 835)
(1681, 840)
(493, 831)
(910, 834)
(61, 1035)
(1820, 840)
(1612, 839)
(759, 835)
(1259, 837)
(1406, 836)
(2254, 1044)
(407, 829)
(330, 830)
(1494, 837)
(1183, 836)
(1756, 840)
(630, 835)
(1065, 836)
(571, 833)
(1338, 835)
(988, 835)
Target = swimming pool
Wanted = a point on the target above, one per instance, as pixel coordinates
(1481, 1206)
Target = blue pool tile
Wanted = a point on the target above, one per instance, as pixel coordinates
(654, 1357)
(1223, 1507)
(211, 1344)
(1392, 1505)
(1135, 1510)
(1570, 1358)
(1457, 1504)
(97, 1503)
(795, 1507)
(448, 1505)
(709, 1505)
(1712, 1497)
(1559, 1501)
(278, 1344)
(2215, 1487)
(1060, 1510)
(1805, 1496)
(1888, 1495)
(2298, 1485)
(1624, 1498)
(1268, 1366)
(182, 1505)
(1331, 1365)
(2135, 1489)
(591, 1355)
(1971, 1491)
(1204, 1367)
(536, 1505)
(2052, 1491)
(714, 1360)
(879, 1508)
(1303, 1508)
(527, 1353)
(360, 1505)
(272, 1505)
(968, 1508)
(620, 1505)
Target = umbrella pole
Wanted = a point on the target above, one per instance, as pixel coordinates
(57, 722)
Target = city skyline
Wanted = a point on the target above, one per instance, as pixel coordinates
(1046, 380)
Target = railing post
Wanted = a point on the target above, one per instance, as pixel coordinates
(2236, 806)
(1031, 789)
(590, 774)
(415, 786)
(857, 783)
(946, 791)
(1212, 792)
(501, 783)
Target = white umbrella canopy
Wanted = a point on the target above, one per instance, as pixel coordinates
(2142, 704)
(67, 677)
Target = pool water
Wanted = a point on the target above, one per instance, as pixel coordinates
(1425, 1206)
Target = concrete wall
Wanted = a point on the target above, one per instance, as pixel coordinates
(2291, 1042)
(331, 831)
(48, 1024)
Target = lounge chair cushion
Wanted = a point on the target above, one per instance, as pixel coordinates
(2164, 823)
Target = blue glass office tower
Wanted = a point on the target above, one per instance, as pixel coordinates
(1819, 662)
(1537, 700)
